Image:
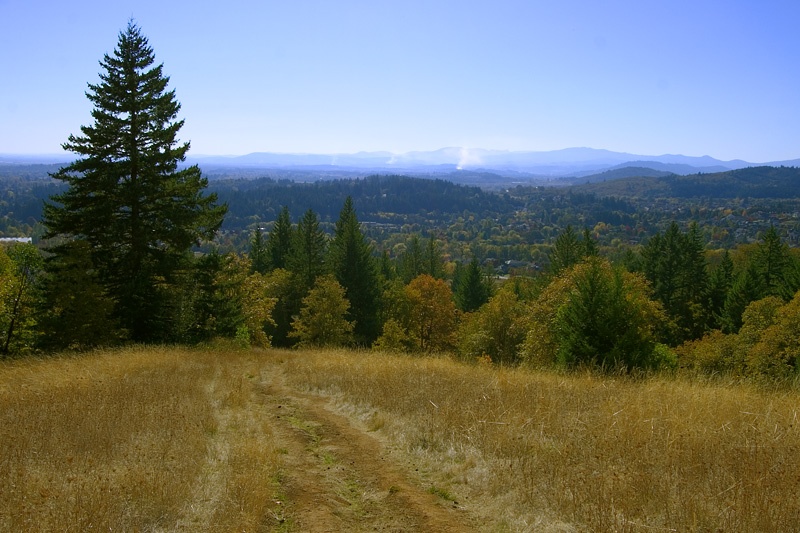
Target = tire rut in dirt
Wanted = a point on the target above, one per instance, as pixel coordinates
(337, 478)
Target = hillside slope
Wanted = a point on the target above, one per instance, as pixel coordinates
(752, 182)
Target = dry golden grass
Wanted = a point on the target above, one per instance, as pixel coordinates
(164, 439)
(545, 452)
(133, 439)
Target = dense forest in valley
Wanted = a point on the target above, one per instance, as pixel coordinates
(421, 276)
(390, 199)
(751, 182)
(23, 189)
(732, 208)
(699, 272)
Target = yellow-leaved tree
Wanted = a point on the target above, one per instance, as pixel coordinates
(322, 320)
(433, 317)
(496, 329)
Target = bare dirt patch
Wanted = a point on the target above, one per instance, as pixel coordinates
(338, 477)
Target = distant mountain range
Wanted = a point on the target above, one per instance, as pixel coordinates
(570, 162)
(550, 165)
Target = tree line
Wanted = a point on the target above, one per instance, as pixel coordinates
(118, 266)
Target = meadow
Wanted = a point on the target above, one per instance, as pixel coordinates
(174, 439)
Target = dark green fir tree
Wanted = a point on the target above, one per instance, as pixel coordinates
(279, 242)
(472, 287)
(306, 260)
(355, 268)
(258, 253)
(126, 195)
(567, 251)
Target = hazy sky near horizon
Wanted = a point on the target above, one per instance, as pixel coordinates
(695, 77)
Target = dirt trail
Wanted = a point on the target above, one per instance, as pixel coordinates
(338, 478)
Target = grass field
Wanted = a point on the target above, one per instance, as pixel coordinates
(538, 451)
(167, 439)
(135, 439)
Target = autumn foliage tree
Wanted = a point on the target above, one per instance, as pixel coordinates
(20, 268)
(433, 317)
(496, 329)
(323, 318)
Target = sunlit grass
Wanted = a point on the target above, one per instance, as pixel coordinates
(121, 440)
(547, 451)
(167, 439)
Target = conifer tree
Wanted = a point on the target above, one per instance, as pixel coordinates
(566, 252)
(696, 317)
(126, 195)
(589, 244)
(306, 258)
(279, 242)
(386, 268)
(719, 284)
(675, 265)
(433, 266)
(769, 272)
(412, 262)
(772, 262)
(258, 253)
(472, 289)
(355, 269)
(598, 315)
(67, 321)
(746, 288)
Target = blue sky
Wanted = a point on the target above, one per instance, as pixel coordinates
(697, 77)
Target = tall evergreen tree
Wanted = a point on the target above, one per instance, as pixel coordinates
(606, 320)
(67, 321)
(769, 272)
(747, 287)
(126, 196)
(674, 263)
(697, 317)
(567, 251)
(258, 253)
(218, 304)
(719, 284)
(663, 262)
(386, 268)
(355, 269)
(412, 262)
(279, 242)
(306, 258)
(433, 265)
(589, 245)
(772, 262)
(472, 289)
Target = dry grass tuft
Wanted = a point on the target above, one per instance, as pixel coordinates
(548, 452)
